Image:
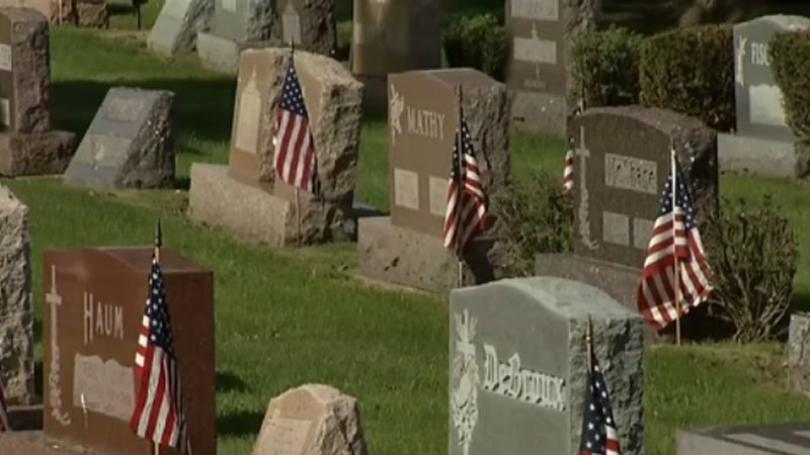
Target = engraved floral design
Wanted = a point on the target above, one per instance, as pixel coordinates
(397, 107)
(464, 398)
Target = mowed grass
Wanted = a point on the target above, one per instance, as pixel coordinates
(287, 317)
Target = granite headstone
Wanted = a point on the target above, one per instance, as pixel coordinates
(310, 25)
(129, 144)
(763, 143)
(245, 197)
(798, 351)
(785, 439)
(17, 323)
(235, 26)
(93, 312)
(407, 247)
(392, 36)
(176, 27)
(541, 35)
(518, 366)
(312, 419)
(622, 160)
(27, 145)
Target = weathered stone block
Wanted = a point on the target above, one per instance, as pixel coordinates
(798, 351)
(411, 258)
(24, 71)
(17, 323)
(256, 216)
(785, 439)
(518, 363)
(176, 27)
(761, 156)
(312, 419)
(309, 24)
(93, 14)
(36, 154)
(129, 144)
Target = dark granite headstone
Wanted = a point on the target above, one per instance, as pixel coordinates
(93, 311)
(541, 34)
(763, 142)
(129, 143)
(518, 366)
(787, 439)
(176, 27)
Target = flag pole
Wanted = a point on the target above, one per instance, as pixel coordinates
(158, 244)
(297, 190)
(589, 341)
(459, 187)
(675, 267)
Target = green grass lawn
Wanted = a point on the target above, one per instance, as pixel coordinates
(287, 317)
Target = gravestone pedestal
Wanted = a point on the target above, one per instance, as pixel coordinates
(408, 248)
(92, 318)
(763, 144)
(519, 366)
(176, 27)
(237, 25)
(27, 144)
(787, 439)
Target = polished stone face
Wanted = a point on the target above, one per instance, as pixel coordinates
(93, 311)
(537, 34)
(757, 96)
(517, 365)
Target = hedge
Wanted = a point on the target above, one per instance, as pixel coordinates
(790, 63)
(605, 70)
(691, 70)
(478, 42)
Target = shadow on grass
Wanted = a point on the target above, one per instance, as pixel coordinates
(229, 382)
(203, 108)
(240, 423)
(801, 302)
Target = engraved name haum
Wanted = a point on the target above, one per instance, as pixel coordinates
(102, 319)
(512, 381)
(425, 123)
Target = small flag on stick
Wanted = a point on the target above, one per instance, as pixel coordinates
(294, 160)
(466, 203)
(158, 414)
(599, 436)
(568, 172)
(675, 244)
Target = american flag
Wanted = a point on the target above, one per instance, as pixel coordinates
(568, 172)
(598, 427)
(158, 414)
(466, 208)
(3, 409)
(675, 234)
(295, 159)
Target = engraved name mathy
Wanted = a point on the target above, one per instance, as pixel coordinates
(422, 122)
(629, 173)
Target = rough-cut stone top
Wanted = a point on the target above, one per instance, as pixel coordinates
(467, 77)
(569, 299)
(330, 71)
(9, 202)
(786, 21)
(22, 14)
(322, 393)
(666, 121)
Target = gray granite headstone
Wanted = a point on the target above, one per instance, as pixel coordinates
(758, 98)
(177, 25)
(129, 143)
(237, 25)
(518, 366)
(309, 24)
(787, 439)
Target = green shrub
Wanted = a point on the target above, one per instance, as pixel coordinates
(753, 253)
(606, 67)
(533, 217)
(790, 63)
(691, 71)
(478, 42)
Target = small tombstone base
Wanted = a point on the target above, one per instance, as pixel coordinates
(539, 112)
(411, 258)
(36, 154)
(798, 351)
(765, 440)
(761, 156)
(256, 216)
(620, 283)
